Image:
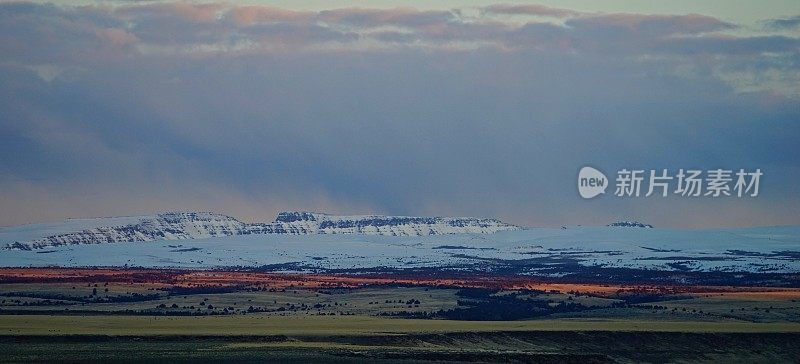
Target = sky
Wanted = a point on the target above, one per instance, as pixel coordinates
(448, 108)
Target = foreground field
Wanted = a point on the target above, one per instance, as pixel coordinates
(263, 325)
(451, 347)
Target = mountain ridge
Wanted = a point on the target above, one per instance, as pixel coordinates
(198, 225)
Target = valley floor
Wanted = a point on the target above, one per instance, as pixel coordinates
(151, 315)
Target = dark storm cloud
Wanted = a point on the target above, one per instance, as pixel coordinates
(248, 110)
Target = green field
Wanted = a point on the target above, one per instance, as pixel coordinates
(65, 322)
(357, 341)
(410, 302)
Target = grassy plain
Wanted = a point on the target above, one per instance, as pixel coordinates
(270, 325)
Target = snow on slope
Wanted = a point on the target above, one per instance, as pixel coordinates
(168, 226)
(299, 241)
(198, 225)
(529, 251)
(41, 230)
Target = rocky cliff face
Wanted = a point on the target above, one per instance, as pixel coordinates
(388, 225)
(168, 226)
(199, 225)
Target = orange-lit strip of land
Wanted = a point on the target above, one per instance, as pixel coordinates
(245, 279)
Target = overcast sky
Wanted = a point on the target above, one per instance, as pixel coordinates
(467, 108)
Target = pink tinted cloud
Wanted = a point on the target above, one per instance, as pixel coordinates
(248, 15)
(115, 36)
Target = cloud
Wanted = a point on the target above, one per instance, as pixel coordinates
(116, 36)
(64, 32)
(756, 45)
(193, 13)
(403, 17)
(650, 25)
(249, 15)
(784, 23)
(531, 9)
(249, 110)
(295, 35)
(32, 33)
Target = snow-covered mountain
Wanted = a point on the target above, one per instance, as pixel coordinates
(634, 224)
(307, 241)
(584, 251)
(318, 223)
(200, 225)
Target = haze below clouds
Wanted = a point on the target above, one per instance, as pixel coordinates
(481, 110)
